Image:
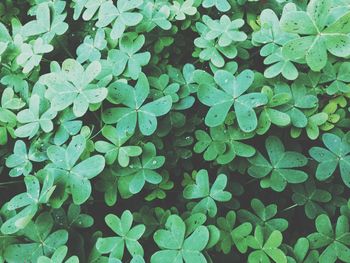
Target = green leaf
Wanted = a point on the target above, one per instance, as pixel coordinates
(73, 85)
(317, 39)
(280, 168)
(266, 249)
(116, 149)
(336, 242)
(209, 195)
(220, 101)
(28, 202)
(263, 216)
(32, 119)
(135, 110)
(221, 5)
(35, 233)
(119, 15)
(336, 154)
(75, 175)
(126, 236)
(175, 247)
(141, 171)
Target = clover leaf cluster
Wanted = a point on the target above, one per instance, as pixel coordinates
(161, 131)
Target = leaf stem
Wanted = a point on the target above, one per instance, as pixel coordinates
(250, 181)
(290, 207)
(11, 182)
(97, 132)
(65, 49)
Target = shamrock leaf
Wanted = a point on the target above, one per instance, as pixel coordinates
(280, 167)
(232, 234)
(273, 38)
(159, 191)
(41, 24)
(301, 101)
(335, 242)
(72, 85)
(77, 219)
(8, 119)
(336, 154)
(240, 236)
(264, 217)
(69, 126)
(8, 10)
(10, 102)
(126, 236)
(231, 94)
(339, 75)
(176, 247)
(313, 123)
(58, 257)
(29, 202)
(73, 218)
(31, 54)
(185, 77)
(127, 57)
(161, 88)
(223, 145)
(311, 198)
(334, 111)
(266, 249)
(182, 9)
(41, 241)
(116, 148)
(221, 5)
(135, 259)
(318, 38)
(121, 16)
(5, 241)
(108, 184)
(49, 21)
(153, 218)
(134, 98)
(92, 6)
(18, 83)
(337, 201)
(300, 252)
(33, 119)
(271, 114)
(209, 195)
(187, 86)
(5, 39)
(20, 160)
(90, 49)
(212, 51)
(281, 65)
(154, 15)
(77, 176)
(225, 30)
(141, 171)
(211, 144)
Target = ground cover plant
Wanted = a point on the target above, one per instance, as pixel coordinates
(174, 131)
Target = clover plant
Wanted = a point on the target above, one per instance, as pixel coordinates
(158, 131)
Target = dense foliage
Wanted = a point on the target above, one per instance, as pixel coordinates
(174, 131)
